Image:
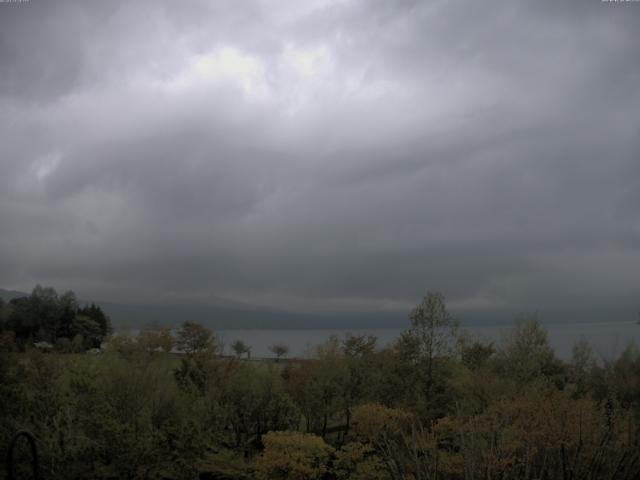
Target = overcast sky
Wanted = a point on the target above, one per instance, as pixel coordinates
(323, 155)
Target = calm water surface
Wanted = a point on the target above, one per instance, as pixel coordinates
(606, 339)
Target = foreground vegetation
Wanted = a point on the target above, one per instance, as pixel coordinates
(435, 404)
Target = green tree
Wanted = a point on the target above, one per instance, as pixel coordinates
(253, 401)
(279, 350)
(526, 353)
(193, 337)
(45, 304)
(476, 354)
(46, 316)
(240, 348)
(319, 386)
(87, 328)
(94, 312)
(432, 334)
(359, 345)
(4, 314)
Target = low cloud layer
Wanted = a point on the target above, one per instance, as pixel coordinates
(323, 156)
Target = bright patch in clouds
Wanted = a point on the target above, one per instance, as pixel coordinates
(46, 165)
(309, 62)
(223, 65)
(294, 79)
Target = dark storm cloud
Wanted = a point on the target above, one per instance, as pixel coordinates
(323, 155)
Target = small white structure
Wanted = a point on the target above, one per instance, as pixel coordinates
(44, 346)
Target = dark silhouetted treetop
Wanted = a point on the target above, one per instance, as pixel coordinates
(193, 337)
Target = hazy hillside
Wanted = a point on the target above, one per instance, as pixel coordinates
(7, 295)
(226, 315)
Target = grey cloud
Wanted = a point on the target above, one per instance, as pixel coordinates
(332, 156)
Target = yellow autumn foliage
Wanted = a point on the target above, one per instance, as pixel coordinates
(292, 456)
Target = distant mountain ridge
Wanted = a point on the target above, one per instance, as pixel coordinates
(224, 314)
(7, 295)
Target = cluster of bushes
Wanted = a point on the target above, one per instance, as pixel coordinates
(52, 321)
(435, 404)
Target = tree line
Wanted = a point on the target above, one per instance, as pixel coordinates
(435, 404)
(52, 320)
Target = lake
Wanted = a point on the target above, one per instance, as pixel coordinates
(607, 339)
